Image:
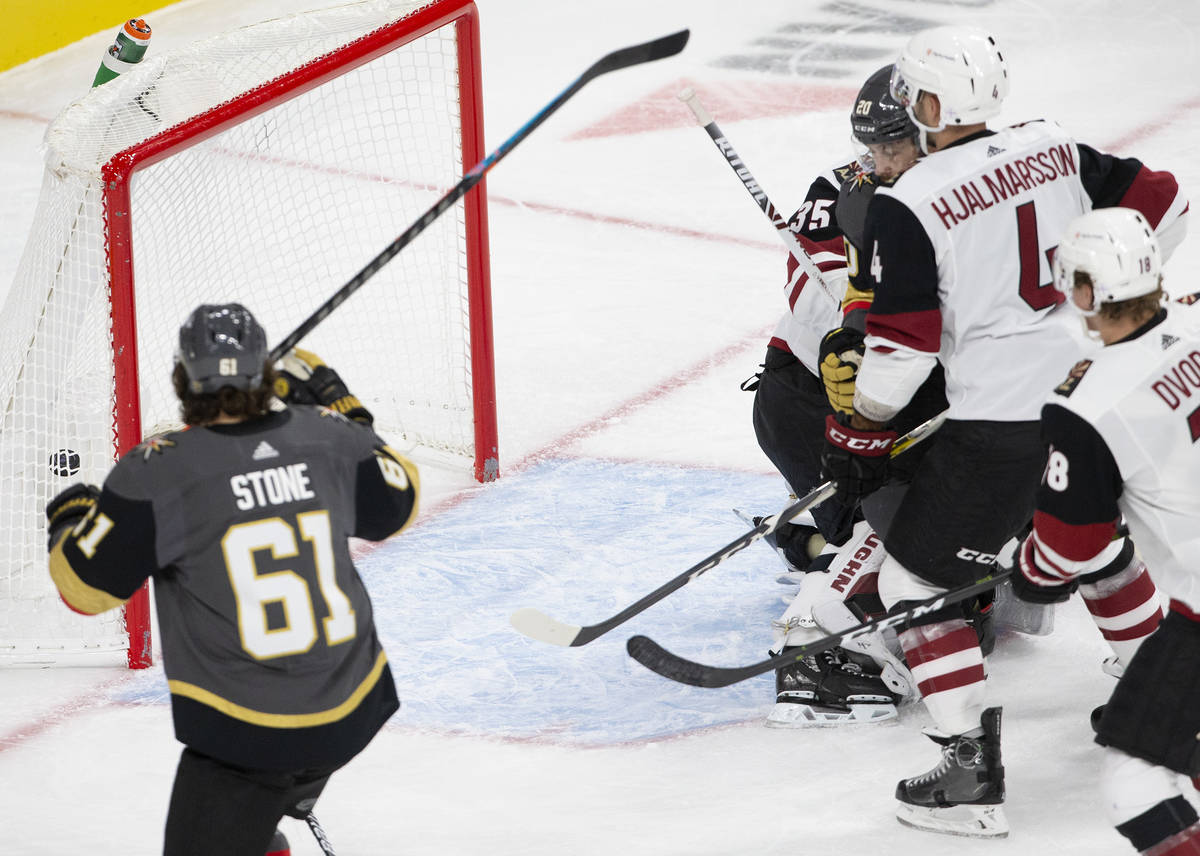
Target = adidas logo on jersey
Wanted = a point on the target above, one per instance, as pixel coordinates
(264, 450)
(1168, 340)
(993, 151)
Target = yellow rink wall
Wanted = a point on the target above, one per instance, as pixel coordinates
(40, 27)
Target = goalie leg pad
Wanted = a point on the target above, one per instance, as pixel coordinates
(852, 574)
(1154, 712)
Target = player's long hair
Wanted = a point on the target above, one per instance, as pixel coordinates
(1140, 309)
(203, 408)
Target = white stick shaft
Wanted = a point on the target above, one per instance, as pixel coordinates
(689, 97)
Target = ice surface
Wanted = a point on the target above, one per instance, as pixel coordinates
(635, 285)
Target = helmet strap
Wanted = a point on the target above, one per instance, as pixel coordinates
(923, 130)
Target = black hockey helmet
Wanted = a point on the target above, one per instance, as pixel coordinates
(222, 345)
(877, 116)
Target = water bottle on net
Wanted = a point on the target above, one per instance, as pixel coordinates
(126, 52)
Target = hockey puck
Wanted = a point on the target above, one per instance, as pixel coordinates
(64, 462)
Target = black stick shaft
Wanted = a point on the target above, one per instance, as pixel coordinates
(537, 625)
(634, 55)
(661, 661)
(768, 525)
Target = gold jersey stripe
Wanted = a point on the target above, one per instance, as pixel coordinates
(78, 595)
(414, 479)
(282, 720)
(856, 295)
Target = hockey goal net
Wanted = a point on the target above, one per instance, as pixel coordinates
(266, 166)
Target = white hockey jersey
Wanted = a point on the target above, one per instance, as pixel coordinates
(1122, 433)
(960, 252)
(811, 311)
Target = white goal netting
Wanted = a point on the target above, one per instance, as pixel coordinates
(266, 166)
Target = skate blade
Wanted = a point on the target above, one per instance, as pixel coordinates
(791, 715)
(969, 821)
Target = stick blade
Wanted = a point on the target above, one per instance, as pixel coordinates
(659, 48)
(538, 625)
(659, 660)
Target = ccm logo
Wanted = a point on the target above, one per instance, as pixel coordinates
(860, 444)
(893, 620)
(968, 555)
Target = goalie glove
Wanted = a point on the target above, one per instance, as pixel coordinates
(303, 378)
(68, 508)
(840, 356)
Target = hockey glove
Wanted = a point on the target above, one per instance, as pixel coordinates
(1031, 584)
(303, 378)
(68, 508)
(858, 461)
(841, 355)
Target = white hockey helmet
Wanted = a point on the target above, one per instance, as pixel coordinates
(1117, 250)
(959, 64)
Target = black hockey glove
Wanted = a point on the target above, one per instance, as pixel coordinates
(841, 355)
(68, 508)
(857, 461)
(303, 378)
(1033, 586)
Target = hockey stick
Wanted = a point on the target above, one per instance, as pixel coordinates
(537, 625)
(756, 192)
(319, 834)
(661, 661)
(624, 58)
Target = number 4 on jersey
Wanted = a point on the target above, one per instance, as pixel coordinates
(1039, 295)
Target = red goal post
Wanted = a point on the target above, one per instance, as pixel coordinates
(264, 166)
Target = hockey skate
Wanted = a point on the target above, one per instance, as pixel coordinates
(964, 793)
(830, 688)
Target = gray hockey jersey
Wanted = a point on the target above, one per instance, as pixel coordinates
(268, 640)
